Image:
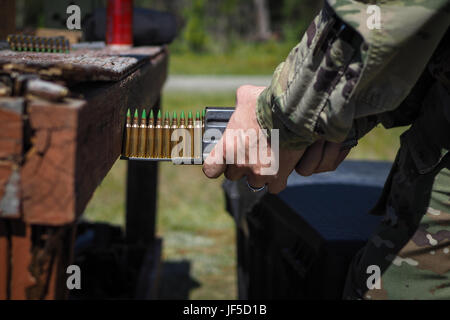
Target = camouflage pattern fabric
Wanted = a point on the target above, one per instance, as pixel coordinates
(412, 245)
(342, 71)
(342, 80)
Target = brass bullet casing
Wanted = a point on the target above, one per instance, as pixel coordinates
(127, 145)
(190, 127)
(12, 41)
(198, 137)
(173, 127)
(28, 43)
(40, 44)
(143, 136)
(166, 136)
(182, 134)
(66, 46)
(20, 42)
(158, 137)
(45, 44)
(51, 44)
(151, 136)
(56, 45)
(135, 135)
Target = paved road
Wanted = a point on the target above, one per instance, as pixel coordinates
(212, 83)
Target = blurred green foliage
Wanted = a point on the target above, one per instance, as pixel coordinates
(218, 37)
(242, 59)
(195, 33)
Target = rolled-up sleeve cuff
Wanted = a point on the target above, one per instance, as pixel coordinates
(269, 120)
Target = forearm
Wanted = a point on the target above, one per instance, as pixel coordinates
(340, 73)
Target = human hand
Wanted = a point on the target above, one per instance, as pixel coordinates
(321, 156)
(236, 140)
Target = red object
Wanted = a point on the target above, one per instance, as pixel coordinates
(119, 20)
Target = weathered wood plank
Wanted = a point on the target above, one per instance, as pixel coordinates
(11, 149)
(48, 174)
(11, 124)
(9, 189)
(39, 257)
(76, 143)
(21, 257)
(79, 65)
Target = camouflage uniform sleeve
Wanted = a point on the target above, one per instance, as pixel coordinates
(343, 74)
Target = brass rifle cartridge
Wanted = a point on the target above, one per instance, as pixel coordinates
(173, 127)
(57, 46)
(182, 134)
(135, 135)
(51, 47)
(36, 44)
(143, 136)
(28, 43)
(66, 46)
(40, 44)
(11, 38)
(158, 137)
(19, 43)
(190, 127)
(127, 145)
(33, 44)
(45, 45)
(166, 136)
(151, 136)
(197, 136)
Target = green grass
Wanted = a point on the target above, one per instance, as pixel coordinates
(191, 211)
(246, 59)
(379, 144)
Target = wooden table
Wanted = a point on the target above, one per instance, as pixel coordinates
(55, 152)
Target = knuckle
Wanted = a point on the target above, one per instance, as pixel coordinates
(303, 171)
(275, 189)
(240, 90)
(256, 171)
(241, 166)
(209, 172)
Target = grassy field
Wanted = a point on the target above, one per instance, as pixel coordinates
(192, 220)
(249, 59)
